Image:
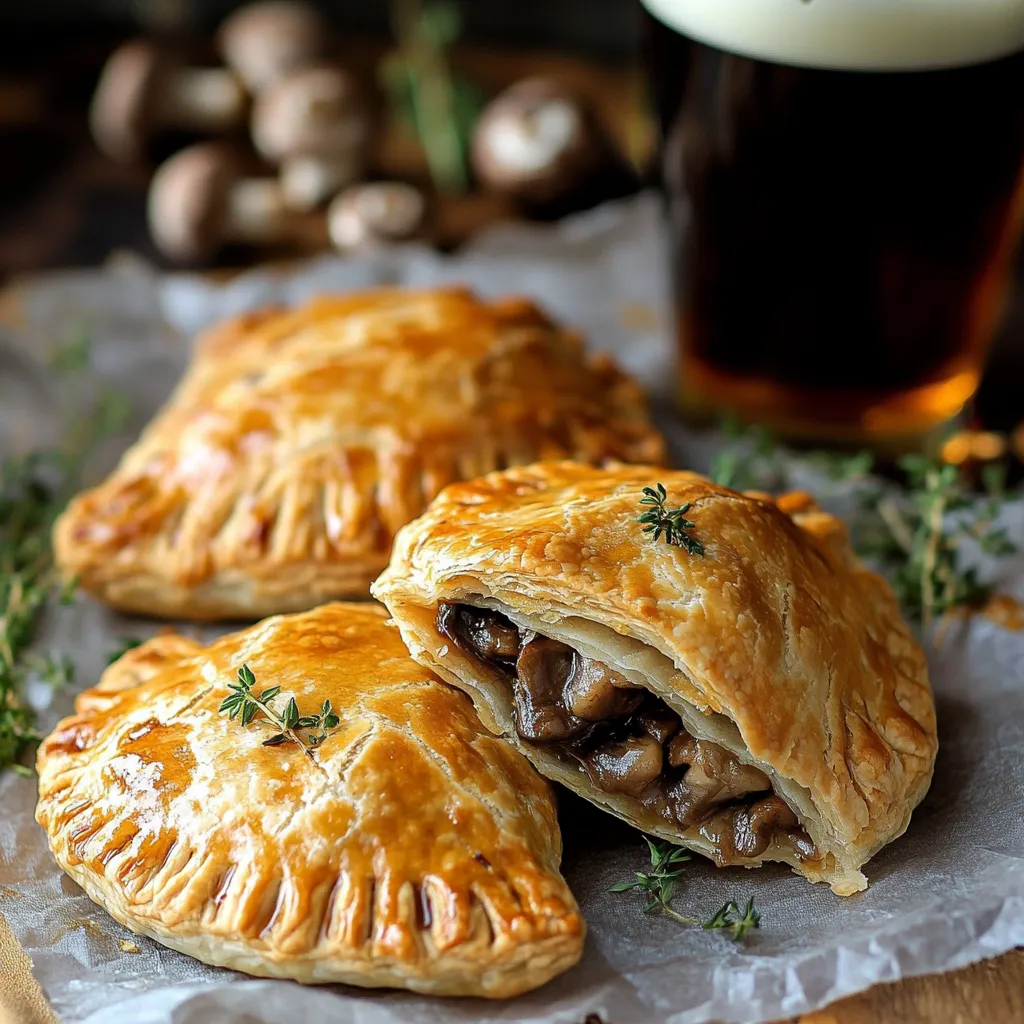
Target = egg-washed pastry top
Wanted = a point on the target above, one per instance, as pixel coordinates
(300, 440)
(762, 700)
(411, 848)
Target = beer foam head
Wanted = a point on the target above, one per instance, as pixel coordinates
(857, 34)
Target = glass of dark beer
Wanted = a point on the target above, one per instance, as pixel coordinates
(845, 181)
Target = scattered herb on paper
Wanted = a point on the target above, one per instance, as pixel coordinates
(915, 533)
(918, 537)
(34, 488)
(659, 885)
(660, 882)
(245, 704)
(737, 922)
(671, 522)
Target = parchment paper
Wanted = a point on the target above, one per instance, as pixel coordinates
(950, 892)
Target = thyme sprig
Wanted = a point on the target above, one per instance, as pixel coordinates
(32, 494)
(660, 882)
(245, 704)
(660, 885)
(916, 533)
(919, 538)
(737, 922)
(671, 522)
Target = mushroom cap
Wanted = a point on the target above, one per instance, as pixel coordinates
(188, 199)
(375, 211)
(535, 140)
(122, 103)
(318, 111)
(264, 41)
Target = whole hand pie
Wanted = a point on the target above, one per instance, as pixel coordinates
(299, 441)
(401, 845)
(742, 685)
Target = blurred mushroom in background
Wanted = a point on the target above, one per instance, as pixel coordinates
(142, 90)
(200, 199)
(379, 211)
(541, 143)
(264, 42)
(315, 124)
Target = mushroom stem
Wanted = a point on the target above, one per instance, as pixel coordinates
(256, 211)
(201, 99)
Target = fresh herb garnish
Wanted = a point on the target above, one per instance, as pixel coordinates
(124, 645)
(32, 494)
(245, 704)
(34, 488)
(918, 537)
(671, 522)
(660, 882)
(735, 921)
(915, 533)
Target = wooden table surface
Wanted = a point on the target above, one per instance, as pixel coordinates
(62, 204)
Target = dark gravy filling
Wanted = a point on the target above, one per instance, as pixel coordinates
(628, 740)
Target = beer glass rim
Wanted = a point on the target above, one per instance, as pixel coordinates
(864, 35)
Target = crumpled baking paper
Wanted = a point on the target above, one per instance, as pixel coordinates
(948, 893)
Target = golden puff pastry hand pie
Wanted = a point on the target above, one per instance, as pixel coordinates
(411, 848)
(299, 441)
(762, 700)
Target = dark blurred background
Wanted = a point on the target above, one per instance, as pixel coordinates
(63, 203)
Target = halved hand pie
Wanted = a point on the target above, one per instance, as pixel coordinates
(300, 441)
(409, 848)
(749, 690)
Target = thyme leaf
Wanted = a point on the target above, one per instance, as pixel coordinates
(660, 882)
(246, 705)
(671, 522)
(737, 922)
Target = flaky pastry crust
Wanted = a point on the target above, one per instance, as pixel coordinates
(777, 644)
(411, 849)
(299, 441)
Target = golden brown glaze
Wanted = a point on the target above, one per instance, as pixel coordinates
(412, 848)
(300, 441)
(777, 643)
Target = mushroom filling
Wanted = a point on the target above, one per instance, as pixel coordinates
(628, 740)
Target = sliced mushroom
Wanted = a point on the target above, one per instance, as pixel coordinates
(595, 692)
(542, 668)
(142, 90)
(628, 766)
(660, 722)
(746, 832)
(265, 41)
(486, 633)
(714, 776)
(200, 199)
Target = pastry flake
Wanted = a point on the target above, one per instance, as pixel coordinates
(299, 441)
(411, 848)
(756, 697)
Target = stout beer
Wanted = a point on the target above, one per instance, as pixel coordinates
(845, 182)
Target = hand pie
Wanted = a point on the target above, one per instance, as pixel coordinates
(299, 442)
(761, 701)
(411, 848)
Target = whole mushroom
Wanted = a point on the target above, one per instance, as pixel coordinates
(265, 41)
(142, 89)
(201, 199)
(315, 124)
(375, 212)
(538, 141)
